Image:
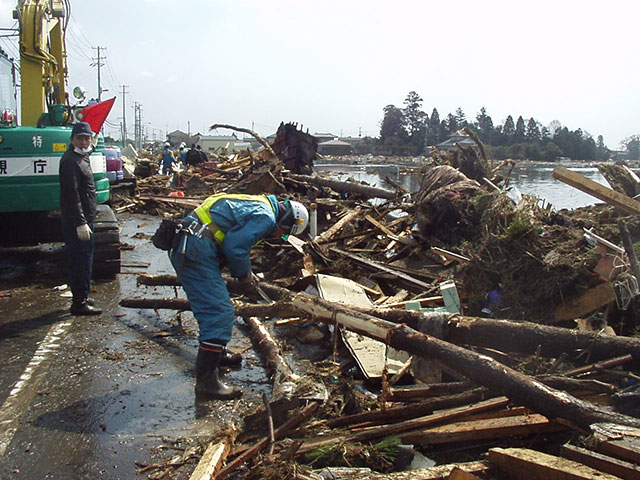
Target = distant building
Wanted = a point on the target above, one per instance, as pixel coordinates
(352, 140)
(335, 147)
(218, 143)
(324, 137)
(454, 140)
(176, 137)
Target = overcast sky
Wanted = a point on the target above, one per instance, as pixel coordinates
(334, 65)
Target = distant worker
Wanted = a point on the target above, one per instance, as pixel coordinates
(183, 154)
(78, 206)
(166, 159)
(193, 157)
(225, 226)
(203, 155)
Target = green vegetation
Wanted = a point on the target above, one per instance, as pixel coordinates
(410, 130)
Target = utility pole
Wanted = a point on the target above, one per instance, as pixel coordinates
(99, 64)
(137, 129)
(124, 115)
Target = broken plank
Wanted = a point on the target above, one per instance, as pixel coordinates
(483, 429)
(433, 473)
(596, 297)
(450, 255)
(378, 266)
(402, 239)
(335, 228)
(594, 189)
(280, 432)
(623, 448)
(533, 465)
(377, 432)
(601, 462)
(212, 459)
(459, 474)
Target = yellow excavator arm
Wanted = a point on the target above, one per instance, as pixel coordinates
(43, 60)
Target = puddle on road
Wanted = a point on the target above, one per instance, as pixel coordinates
(122, 384)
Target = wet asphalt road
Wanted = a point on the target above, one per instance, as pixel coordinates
(87, 397)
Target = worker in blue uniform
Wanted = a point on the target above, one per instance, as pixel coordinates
(225, 226)
(166, 159)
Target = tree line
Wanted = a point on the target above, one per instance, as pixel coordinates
(410, 130)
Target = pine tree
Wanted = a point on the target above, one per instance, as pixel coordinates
(533, 131)
(415, 121)
(509, 130)
(520, 133)
(434, 135)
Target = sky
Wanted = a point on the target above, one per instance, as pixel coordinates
(332, 66)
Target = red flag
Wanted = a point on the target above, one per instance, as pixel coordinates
(96, 114)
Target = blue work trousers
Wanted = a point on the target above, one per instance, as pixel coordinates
(197, 264)
(80, 259)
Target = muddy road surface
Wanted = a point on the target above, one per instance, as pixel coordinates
(104, 396)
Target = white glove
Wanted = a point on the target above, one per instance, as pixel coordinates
(84, 232)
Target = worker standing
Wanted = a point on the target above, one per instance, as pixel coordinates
(193, 157)
(78, 206)
(166, 159)
(203, 156)
(183, 154)
(225, 226)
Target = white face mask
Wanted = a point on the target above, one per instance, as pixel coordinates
(83, 151)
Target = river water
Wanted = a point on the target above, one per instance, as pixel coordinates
(535, 178)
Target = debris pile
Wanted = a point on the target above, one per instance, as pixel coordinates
(460, 324)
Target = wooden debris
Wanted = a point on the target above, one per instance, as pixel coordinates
(485, 429)
(601, 462)
(594, 189)
(533, 465)
(213, 458)
(586, 303)
(481, 369)
(280, 432)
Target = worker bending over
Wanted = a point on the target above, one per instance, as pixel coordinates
(225, 226)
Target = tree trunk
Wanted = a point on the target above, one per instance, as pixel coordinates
(503, 335)
(479, 368)
(347, 187)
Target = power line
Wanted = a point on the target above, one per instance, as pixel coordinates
(88, 43)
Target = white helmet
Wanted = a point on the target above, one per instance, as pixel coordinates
(300, 217)
(167, 144)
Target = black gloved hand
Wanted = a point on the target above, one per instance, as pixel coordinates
(247, 285)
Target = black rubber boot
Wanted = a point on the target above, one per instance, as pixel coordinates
(230, 359)
(207, 382)
(84, 308)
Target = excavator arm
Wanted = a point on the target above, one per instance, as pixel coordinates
(43, 61)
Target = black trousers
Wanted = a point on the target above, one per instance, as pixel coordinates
(80, 258)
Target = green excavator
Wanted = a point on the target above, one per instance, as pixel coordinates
(30, 153)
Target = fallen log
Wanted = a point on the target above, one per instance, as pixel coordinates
(479, 368)
(284, 380)
(266, 310)
(347, 187)
(505, 335)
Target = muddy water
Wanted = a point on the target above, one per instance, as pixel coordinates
(110, 390)
(534, 178)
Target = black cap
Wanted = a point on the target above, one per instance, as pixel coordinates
(81, 129)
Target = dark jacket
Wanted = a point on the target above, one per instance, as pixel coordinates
(78, 201)
(193, 157)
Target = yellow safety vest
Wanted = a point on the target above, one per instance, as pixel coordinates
(203, 210)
